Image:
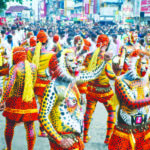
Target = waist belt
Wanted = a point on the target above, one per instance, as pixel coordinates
(134, 120)
(129, 129)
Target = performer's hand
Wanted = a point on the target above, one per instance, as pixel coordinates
(108, 56)
(2, 106)
(6, 57)
(66, 143)
(1, 91)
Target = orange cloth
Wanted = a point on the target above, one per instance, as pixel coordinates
(42, 37)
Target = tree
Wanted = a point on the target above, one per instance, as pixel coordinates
(3, 3)
(19, 1)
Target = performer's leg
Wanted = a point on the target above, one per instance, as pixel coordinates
(110, 121)
(42, 132)
(90, 108)
(31, 134)
(9, 132)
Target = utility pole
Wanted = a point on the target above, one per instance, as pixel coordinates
(65, 7)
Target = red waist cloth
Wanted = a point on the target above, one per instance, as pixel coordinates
(121, 140)
(20, 111)
(40, 86)
(77, 145)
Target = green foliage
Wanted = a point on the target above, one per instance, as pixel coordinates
(19, 1)
(3, 3)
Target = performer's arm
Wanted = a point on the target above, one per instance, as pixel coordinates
(47, 105)
(125, 95)
(88, 76)
(122, 53)
(10, 83)
(108, 70)
(87, 60)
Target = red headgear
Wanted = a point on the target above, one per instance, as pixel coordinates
(56, 38)
(19, 54)
(42, 36)
(33, 41)
(102, 40)
(87, 44)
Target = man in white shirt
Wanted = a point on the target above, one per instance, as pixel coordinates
(50, 40)
(115, 44)
(63, 40)
(15, 36)
(93, 42)
(9, 44)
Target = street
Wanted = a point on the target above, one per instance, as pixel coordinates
(97, 131)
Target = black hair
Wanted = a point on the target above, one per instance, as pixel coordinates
(3, 31)
(114, 35)
(9, 36)
(50, 31)
(13, 28)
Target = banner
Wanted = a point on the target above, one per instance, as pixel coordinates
(43, 9)
(95, 7)
(145, 6)
(86, 8)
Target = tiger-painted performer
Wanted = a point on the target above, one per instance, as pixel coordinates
(61, 113)
(39, 56)
(19, 98)
(132, 131)
(99, 90)
(129, 46)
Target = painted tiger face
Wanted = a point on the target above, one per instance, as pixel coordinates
(71, 64)
(142, 67)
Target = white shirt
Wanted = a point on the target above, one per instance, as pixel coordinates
(63, 42)
(9, 47)
(50, 43)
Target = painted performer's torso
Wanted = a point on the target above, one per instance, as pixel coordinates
(102, 79)
(138, 89)
(67, 110)
(18, 87)
(45, 56)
